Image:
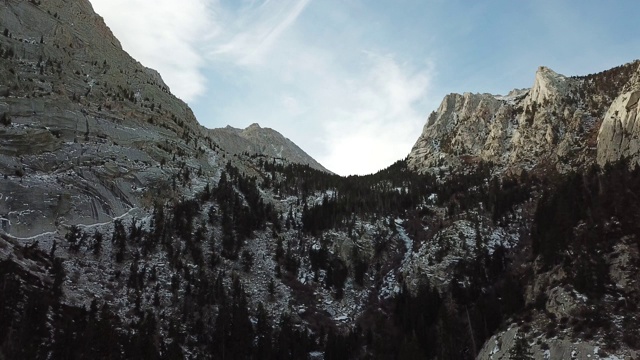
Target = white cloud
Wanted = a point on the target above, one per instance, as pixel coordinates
(379, 118)
(353, 110)
(164, 35)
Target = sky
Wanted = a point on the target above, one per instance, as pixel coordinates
(352, 82)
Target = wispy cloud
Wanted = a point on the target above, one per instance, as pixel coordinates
(165, 36)
(251, 31)
(353, 118)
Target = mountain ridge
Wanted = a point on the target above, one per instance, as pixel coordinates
(257, 140)
(553, 121)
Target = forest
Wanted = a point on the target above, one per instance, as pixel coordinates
(578, 218)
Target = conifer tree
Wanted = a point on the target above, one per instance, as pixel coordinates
(520, 349)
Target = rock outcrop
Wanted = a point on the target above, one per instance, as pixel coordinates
(620, 131)
(499, 347)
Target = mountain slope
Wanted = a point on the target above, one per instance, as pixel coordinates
(90, 133)
(71, 99)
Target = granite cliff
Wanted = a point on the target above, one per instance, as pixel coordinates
(560, 121)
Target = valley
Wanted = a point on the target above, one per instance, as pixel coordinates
(128, 230)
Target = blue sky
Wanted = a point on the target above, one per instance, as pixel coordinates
(352, 82)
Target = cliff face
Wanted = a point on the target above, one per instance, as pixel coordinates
(566, 123)
(618, 135)
(88, 132)
(62, 51)
(554, 122)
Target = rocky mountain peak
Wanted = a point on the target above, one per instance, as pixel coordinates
(256, 131)
(548, 85)
(556, 121)
(256, 140)
(69, 91)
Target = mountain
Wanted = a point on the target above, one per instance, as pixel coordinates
(93, 132)
(128, 230)
(561, 121)
(264, 141)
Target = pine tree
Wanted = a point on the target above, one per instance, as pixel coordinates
(58, 277)
(52, 252)
(119, 239)
(97, 243)
(271, 288)
(5, 119)
(520, 349)
(247, 260)
(264, 332)
(73, 237)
